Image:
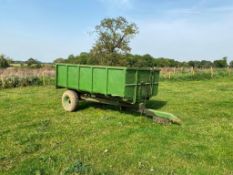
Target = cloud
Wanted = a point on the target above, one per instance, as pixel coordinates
(223, 9)
(185, 38)
(125, 4)
(193, 11)
(199, 8)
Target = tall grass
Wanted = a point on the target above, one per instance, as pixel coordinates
(188, 74)
(20, 77)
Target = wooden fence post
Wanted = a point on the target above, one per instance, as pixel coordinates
(43, 79)
(229, 71)
(211, 72)
(192, 71)
(1, 79)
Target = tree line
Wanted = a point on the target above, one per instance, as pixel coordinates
(147, 60)
(128, 60)
(7, 62)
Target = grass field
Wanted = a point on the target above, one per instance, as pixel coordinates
(38, 137)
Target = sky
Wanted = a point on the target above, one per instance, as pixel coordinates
(178, 29)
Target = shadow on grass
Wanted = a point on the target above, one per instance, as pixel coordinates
(153, 104)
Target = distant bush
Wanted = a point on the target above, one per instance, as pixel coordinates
(3, 62)
(10, 82)
(33, 63)
(14, 81)
(20, 77)
(231, 64)
(221, 63)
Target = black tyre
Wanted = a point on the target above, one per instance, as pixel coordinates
(70, 100)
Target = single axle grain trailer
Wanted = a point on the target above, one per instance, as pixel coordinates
(120, 86)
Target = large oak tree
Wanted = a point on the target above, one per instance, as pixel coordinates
(113, 37)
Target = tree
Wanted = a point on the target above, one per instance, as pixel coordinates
(3, 62)
(33, 62)
(149, 60)
(231, 64)
(59, 60)
(206, 64)
(221, 63)
(114, 35)
(194, 64)
(84, 57)
(162, 62)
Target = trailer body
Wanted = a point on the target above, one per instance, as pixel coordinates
(131, 85)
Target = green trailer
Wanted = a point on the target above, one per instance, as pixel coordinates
(121, 86)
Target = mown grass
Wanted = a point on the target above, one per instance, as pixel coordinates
(38, 137)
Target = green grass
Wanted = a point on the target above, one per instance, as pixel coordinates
(38, 137)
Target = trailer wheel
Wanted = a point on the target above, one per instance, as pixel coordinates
(70, 100)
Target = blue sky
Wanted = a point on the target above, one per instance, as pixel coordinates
(180, 29)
